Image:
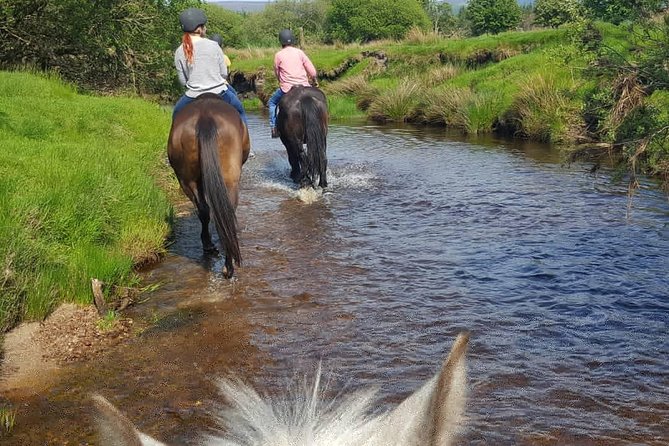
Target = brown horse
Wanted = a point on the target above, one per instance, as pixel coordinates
(207, 146)
(303, 119)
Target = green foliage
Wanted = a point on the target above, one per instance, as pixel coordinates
(108, 321)
(7, 420)
(354, 20)
(305, 17)
(99, 45)
(618, 11)
(78, 192)
(229, 24)
(440, 14)
(493, 16)
(554, 13)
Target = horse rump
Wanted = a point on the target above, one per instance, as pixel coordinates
(303, 119)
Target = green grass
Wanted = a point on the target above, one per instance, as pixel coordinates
(7, 420)
(79, 193)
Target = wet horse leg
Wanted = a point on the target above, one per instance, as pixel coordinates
(294, 150)
(196, 196)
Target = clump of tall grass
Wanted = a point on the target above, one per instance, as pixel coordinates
(420, 36)
(79, 192)
(352, 85)
(541, 110)
(7, 419)
(448, 107)
(436, 76)
(398, 104)
(463, 108)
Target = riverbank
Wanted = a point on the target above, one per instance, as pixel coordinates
(83, 191)
(541, 85)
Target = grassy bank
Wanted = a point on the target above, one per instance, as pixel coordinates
(470, 84)
(537, 85)
(79, 194)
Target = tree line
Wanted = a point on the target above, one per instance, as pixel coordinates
(116, 45)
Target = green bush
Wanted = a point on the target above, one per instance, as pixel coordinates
(493, 16)
(554, 13)
(99, 45)
(618, 11)
(355, 20)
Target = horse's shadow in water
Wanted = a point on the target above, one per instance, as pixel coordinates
(429, 417)
(303, 120)
(207, 146)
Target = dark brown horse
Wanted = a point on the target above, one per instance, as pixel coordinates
(207, 146)
(303, 119)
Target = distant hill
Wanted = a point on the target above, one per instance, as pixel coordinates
(250, 6)
(242, 6)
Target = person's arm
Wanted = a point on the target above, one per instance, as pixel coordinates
(311, 70)
(277, 62)
(220, 57)
(180, 65)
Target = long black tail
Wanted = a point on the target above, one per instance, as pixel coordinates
(215, 191)
(315, 118)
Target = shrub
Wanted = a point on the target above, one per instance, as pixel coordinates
(541, 110)
(493, 16)
(553, 13)
(354, 20)
(398, 104)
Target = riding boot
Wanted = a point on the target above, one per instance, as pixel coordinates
(275, 132)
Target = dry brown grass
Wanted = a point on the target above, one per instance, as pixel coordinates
(420, 36)
(438, 75)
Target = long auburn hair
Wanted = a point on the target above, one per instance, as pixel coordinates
(187, 42)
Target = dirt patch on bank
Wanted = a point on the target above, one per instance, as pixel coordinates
(35, 352)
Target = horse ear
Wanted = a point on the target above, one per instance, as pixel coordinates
(115, 429)
(430, 416)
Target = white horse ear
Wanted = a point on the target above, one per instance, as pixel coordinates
(115, 429)
(431, 415)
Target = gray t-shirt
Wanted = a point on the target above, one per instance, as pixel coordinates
(207, 73)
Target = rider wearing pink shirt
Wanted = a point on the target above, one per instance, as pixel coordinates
(292, 67)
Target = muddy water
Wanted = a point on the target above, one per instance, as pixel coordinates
(562, 285)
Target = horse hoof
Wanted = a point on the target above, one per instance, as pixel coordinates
(210, 250)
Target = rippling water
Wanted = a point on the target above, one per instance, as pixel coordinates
(562, 283)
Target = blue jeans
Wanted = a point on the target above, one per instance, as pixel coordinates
(273, 104)
(229, 96)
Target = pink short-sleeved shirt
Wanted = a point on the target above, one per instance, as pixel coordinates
(292, 67)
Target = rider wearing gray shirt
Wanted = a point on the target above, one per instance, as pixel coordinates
(201, 65)
(208, 71)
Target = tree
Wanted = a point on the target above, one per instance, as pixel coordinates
(440, 14)
(356, 20)
(225, 22)
(96, 44)
(493, 16)
(618, 11)
(305, 17)
(554, 13)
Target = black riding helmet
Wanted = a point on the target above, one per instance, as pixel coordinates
(191, 18)
(286, 37)
(217, 38)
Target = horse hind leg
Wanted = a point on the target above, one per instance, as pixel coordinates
(293, 149)
(196, 196)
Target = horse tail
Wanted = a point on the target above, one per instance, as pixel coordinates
(215, 191)
(315, 127)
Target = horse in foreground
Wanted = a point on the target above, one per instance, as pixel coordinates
(429, 417)
(303, 119)
(207, 146)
